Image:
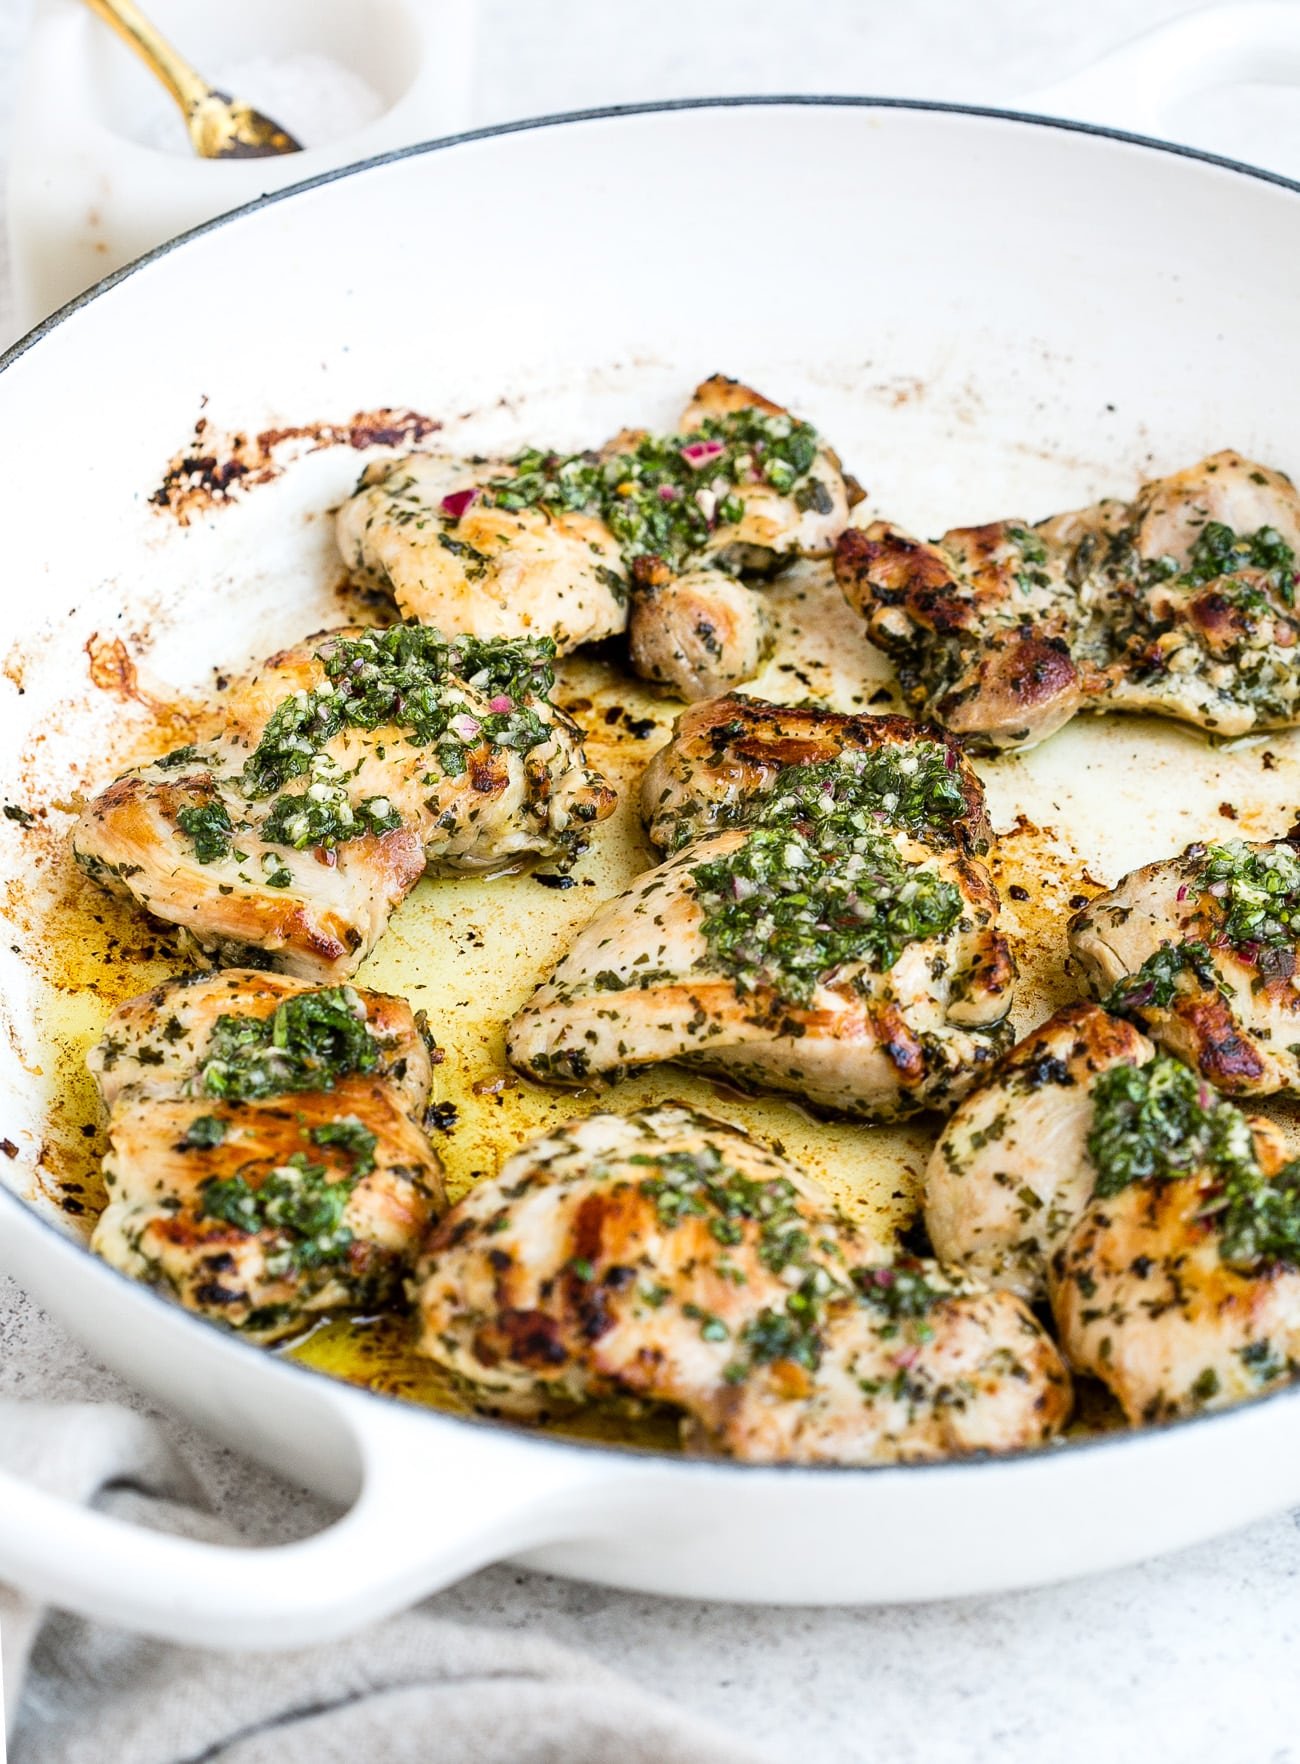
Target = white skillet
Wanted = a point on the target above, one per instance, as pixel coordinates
(986, 313)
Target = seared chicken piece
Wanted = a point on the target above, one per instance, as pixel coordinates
(669, 1256)
(793, 492)
(266, 1159)
(698, 633)
(864, 973)
(1164, 1223)
(1202, 952)
(1009, 1176)
(441, 536)
(736, 759)
(347, 764)
(1180, 603)
(745, 489)
(544, 544)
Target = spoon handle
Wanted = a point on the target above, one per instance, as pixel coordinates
(186, 86)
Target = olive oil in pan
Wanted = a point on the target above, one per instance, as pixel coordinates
(1097, 799)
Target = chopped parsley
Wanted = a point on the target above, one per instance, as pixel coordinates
(179, 756)
(1257, 891)
(664, 496)
(414, 678)
(323, 816)
(916, 789)
(1156, 1122)
(1219, 551)
(1156, 981)
(352, 1137)
(308, 1042)
(298, 1201)
(781, 912)
(206, 1131)
(1159, 1122)
(208, 827)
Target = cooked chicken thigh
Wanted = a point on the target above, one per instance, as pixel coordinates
(670, 1256)
(1202, 952)
(1163, 1223)
(868, 977)
(698, 633)
(546, 544)
(347, 764)
(820, 928)
(1180, 603)
(791, 487)
(266, 1160)
(443, 537)
(1010, 1176)
(734, 761)
(1183, 1293)
(744, 490)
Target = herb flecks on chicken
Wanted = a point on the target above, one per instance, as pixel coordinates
(267, 1160)
(819, 927)
(1161, 1223)
(742, 762)
(346, 767)
(669, 1257)
(1181, 603)
(1202, 952)
(649, 533)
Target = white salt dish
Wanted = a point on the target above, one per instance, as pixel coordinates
(99, 174)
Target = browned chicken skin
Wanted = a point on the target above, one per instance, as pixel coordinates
(290, 839)
(730, 751)
(266, 1156)
(1202, 952)
(1161, 1223)
(698, 633)
(670, 1256)
(1181, 603)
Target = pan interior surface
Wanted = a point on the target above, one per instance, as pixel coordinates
(938, 294)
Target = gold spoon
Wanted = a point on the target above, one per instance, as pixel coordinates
(220, 127)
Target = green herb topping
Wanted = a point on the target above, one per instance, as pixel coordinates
(1219, 551)
(352, 1137)
(412, 677)
(1158, 1122)
(1156, 981)
(782, 912)
(1258, 894)
(209, 829)
(324, 816)
(916, 789)
(666, 496)
(299, 1202)
(206, 1131)
(308, 1042)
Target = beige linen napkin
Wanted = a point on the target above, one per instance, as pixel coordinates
(413, 1690)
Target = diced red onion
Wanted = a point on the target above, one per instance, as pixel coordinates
(699, 453)
(502, 702)
(1182, 892)
(464, 726)
(669, 493)
(949, 760)
(457, 502)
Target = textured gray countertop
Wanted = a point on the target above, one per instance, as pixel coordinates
(1192, 1657)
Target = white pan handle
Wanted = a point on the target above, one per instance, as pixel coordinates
(423, 1519)
(1134, 86)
